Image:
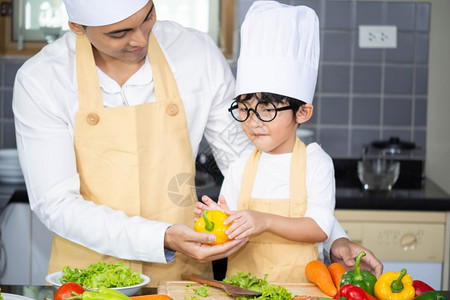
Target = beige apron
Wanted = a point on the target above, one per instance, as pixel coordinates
(137, 159)
(266, 253)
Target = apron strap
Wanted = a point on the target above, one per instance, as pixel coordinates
(298, 180)
(162, 77)
(248, 179)
(87, 83)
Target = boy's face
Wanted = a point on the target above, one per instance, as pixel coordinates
(275, 137)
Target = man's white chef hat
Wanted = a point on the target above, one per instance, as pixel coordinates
(101, 12)
(279, 51)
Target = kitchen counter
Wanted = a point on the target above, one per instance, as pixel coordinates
(11, 192)
(42, 292)
(411, 192)
(428, 198)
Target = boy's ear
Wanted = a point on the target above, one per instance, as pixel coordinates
(304, 113)
(76, 28)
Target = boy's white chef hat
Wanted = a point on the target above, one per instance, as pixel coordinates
(279, 51)
(101, 12)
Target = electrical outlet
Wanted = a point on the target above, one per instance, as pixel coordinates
(377, 36)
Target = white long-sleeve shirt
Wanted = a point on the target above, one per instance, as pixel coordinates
(45, 102)
(272, 181)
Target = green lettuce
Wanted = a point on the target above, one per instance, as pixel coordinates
(102, 275)
(269, 291)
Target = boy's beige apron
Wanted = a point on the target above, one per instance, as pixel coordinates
(266, 253)
(137, 159)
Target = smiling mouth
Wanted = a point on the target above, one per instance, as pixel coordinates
(137, 50)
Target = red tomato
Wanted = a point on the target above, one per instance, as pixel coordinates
(65, 290)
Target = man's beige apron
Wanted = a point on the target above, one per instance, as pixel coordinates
(137, 159)
(266, 253)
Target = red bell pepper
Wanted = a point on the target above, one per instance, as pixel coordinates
(421, 287)
(352, 292)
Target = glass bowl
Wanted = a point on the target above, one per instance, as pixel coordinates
(378, 173)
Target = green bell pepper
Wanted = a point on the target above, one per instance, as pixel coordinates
(363, 279)
(430, 295)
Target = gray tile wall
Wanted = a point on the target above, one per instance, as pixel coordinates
(8, 69)
(368, 94)
(362, 94)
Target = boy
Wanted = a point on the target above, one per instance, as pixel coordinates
(283, 195)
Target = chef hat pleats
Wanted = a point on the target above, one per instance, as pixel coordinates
(279, 51)
(101, 12)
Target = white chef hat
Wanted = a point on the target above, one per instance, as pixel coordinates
(101, 12)
(279, 51)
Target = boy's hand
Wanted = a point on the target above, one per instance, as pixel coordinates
(245, 223)
(210, 204)
(224, 205)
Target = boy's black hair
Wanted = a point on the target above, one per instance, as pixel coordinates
(274, 98)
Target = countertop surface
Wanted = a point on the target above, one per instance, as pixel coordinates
(42, 292)
(7, 191)
(429, 197)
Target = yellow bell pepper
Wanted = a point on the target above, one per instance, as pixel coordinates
(394, 286)
(212, 222)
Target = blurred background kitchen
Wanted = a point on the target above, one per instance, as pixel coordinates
(363, 95)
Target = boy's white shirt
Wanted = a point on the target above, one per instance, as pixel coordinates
(272, 181)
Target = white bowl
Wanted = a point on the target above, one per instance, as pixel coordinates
(7, 296)
(127, 290)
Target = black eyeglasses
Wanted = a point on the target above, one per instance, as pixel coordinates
(265, 111)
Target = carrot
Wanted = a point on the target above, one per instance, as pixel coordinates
(336, 271)
(316, 272)
(152, 297)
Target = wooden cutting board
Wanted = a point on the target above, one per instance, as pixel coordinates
(178, 290)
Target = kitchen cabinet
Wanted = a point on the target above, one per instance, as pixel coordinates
(402, 239)
(26, 245)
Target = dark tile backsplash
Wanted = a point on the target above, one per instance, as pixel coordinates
(362, 94)
(8, 70)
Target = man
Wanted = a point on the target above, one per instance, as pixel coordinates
(108, 121)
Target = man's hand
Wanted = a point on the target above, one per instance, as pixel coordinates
(344, 251)
(183, 239)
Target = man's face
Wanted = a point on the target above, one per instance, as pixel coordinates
(125, 41)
